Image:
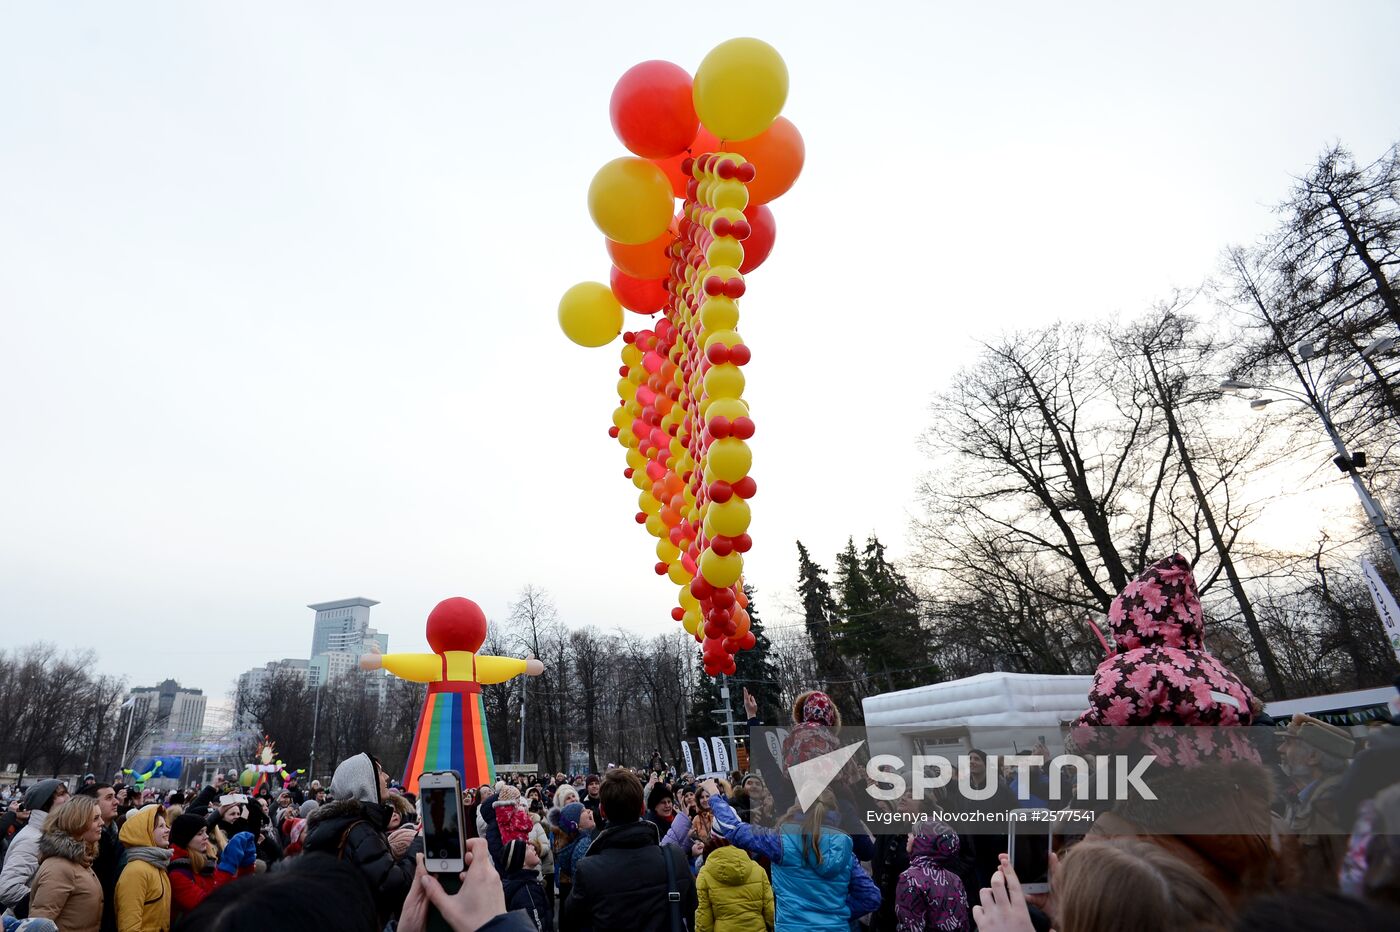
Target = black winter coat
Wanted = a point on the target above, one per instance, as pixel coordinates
(111, 858)
(621, 882)
(357, 832)
(524, 891)
(493, 831)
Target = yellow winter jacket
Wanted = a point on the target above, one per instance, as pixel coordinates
(734, 894)
(143, 889)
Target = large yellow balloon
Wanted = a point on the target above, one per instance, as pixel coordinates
(730, 518)
(730, 460)
(726, 381)
(590, 315)
(740, 88)
(721, 571)
(630, 200)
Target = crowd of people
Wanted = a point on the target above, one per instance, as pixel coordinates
(653, 849)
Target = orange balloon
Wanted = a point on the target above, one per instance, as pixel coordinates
(741, 623)
(705, 141)
(646, 260)
(777, 154)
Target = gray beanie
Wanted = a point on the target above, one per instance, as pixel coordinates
(40, 795)
(308, 807)
(357, 778)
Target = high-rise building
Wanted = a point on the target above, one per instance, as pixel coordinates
(169, 713)
(341, 634)
(341, 625)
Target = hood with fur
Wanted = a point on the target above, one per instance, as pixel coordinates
(63, 845)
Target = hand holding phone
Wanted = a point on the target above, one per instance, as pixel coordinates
(440, 805)
(1028, 848)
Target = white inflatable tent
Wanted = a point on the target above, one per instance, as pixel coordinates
(989, 711)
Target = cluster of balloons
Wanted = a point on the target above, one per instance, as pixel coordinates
(718, 142)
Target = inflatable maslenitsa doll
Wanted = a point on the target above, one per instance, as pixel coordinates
(451, 732)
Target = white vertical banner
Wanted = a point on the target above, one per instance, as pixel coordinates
(705, 761)
(689, 761)
(721, 755)
(1385, 605)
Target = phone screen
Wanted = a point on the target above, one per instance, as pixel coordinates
(1028, 843)
(442, 827)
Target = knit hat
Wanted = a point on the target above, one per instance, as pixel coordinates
(659, 793)
(184, 828)
(40, 795)
(569, 816)
(510, 796)
(513, 855)
(308, 807)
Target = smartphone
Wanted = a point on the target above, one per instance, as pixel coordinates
(1028, 845)
(440, 811)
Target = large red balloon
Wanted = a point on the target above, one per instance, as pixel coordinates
(760, 241)
(652, 109)
(703, 142)
(643, 295)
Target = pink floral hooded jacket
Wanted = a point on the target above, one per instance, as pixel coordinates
(1162, 673)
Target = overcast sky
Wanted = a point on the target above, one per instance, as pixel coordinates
(278, 281)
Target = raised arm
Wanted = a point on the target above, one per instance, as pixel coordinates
(739, 833)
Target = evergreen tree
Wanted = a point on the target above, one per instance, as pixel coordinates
(898, 640)
(821, 615)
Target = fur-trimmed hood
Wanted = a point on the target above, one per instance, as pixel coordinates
(61, 845)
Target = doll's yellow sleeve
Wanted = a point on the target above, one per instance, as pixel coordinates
(498, 669)
(418, 668)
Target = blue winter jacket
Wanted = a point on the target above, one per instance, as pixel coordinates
(810, 897)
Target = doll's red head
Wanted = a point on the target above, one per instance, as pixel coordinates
(456, 624)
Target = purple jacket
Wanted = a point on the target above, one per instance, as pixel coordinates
(929, 897)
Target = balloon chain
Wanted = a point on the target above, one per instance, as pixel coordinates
(683, 418)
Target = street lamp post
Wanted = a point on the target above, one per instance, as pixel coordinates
(1319, 399)
(315, 720)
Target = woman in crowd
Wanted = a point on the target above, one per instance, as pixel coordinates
(65, 889)
(143, 887)
(194, 870)
(817, 881)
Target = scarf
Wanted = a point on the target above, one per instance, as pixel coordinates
(160, 857)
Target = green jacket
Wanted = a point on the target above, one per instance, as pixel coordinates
(734, 894)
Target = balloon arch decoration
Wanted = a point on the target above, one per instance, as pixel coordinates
(718, 143)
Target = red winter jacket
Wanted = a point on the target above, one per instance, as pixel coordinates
(189, 888)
